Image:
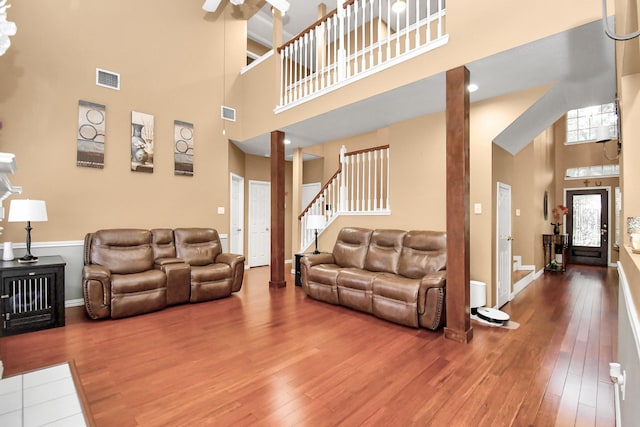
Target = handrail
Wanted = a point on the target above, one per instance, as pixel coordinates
(324, 187)
(314, 25)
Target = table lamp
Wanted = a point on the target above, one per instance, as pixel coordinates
(315, 222)
(27, 210)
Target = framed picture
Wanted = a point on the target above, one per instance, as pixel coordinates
(183, 148)
(91, 138)
(141, 142)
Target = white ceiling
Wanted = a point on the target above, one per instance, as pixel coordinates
(579, 62)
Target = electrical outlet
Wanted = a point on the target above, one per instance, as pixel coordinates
(477, 208)
(220, 210)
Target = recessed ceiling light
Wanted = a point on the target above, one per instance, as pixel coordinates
(472, 87)
(287, 141)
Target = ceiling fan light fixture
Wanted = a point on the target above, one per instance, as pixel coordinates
(398, 6)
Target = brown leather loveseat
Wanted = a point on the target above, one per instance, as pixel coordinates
(134, 271)
(393, 274)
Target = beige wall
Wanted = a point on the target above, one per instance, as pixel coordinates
(174, 74)
(313, 171)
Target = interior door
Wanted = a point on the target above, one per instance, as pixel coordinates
(236, 215)
(588, 226)
(259, 223)
(504, 267)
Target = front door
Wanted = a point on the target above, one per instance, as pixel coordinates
(588, 226)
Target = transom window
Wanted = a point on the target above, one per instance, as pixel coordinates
(582, 123)
(598, 171)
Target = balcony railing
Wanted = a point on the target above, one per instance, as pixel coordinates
(358, 38)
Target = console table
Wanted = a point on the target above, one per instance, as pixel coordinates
(555, 244)
(32, 295)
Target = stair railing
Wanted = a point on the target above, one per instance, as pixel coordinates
(360, 186)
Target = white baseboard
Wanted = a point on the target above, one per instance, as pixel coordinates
(73, 303)
(521, 284)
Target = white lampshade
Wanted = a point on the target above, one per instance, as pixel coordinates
(315, 222)
(22, 210)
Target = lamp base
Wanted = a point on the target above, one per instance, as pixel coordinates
(27, 259)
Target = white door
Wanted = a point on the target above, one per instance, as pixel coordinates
(236, 215)
(309, 191)
(259, 223)
(503, 219)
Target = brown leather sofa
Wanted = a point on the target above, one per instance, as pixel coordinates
(134, 271)
(395, 275)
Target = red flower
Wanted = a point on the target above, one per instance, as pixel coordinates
(558, 212)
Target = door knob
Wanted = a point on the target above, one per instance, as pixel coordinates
(509, 238)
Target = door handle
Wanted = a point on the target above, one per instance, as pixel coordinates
(509, 238)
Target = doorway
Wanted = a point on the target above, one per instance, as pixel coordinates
(504, 239)
(236, 215)
(588, 226)
(259, 223)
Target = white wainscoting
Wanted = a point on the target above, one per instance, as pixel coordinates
(628, 352)
(72, 252)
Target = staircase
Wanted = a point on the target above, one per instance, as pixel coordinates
(360, 186)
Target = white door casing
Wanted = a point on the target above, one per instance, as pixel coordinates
(259, 223)
(236, 215)
(503, 246)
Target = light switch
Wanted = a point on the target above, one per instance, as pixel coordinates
(477, 208)
(220, 210)
(517, 212)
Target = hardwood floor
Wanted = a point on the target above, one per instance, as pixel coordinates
(273, 357)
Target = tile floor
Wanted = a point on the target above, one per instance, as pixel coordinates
(46, 397)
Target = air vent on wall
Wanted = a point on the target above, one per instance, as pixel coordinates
(108, 79)
(228, 113)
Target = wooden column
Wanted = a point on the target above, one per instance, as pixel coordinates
(458, 314)
(277, 210)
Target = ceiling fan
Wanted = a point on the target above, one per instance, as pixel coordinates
(212, 5)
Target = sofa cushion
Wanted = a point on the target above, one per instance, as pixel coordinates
(210, 273)
(197, 246)
(355, 278)
(324, 273)
(122, 251)
(137, 282)
(162, 243)
(351, 246)
(423, 252)
(395, 298)
(384, 250)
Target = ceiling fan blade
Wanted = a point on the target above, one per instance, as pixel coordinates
(211, 5)
(281, 5)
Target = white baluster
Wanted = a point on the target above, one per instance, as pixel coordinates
(388, 30)
(381, 178)
(369, 185)
(355, 37)
(375, 180)
(428, 21)
(406, 29)
(439, 18)
(305, 49)
(388, 176)
(349, 13)
(418, 23)
(364, 19)
(371, 29)
(282, 77)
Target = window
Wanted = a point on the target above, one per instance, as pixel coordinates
(599, 171)
(583, 123)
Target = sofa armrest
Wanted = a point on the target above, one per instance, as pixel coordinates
(158, 263)
(236, 262)
(96, 287)
(309, 260)
(230, 259)
(432, 280)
